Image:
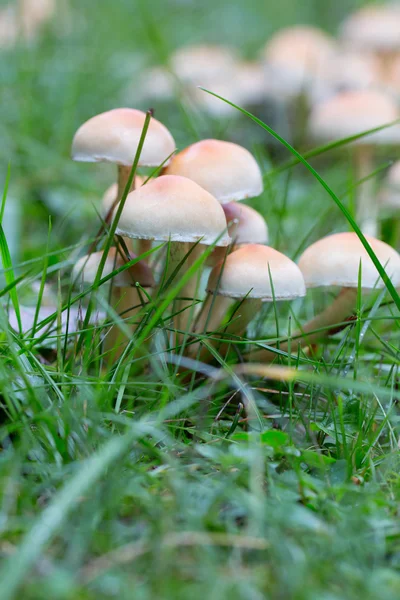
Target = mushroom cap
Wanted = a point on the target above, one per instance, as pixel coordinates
(247, 225)
(247, 273)
(85, 270)
(111, 192)
(373, 27)
(113, 137)
(199, 64)
(294, 55)
(173, 208)
(335, 260)
(228, 171)
(353, 112)
(345, 70)
(299, 45)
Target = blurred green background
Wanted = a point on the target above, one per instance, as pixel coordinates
(89, 59)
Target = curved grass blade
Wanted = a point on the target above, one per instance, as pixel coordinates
(381, 270)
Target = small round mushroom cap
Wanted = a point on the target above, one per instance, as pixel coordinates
(335, 260)
(373, 28)
(247, 225)
(247, 273)
(85, 270)
(353, 112)
(114, 137)
(110, 195)
(228, 171)
(173, 208)
(199, 64)
(295, 55)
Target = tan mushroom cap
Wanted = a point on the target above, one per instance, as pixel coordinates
(353, 112)
(228, 171)
(114, 137)
(295, 55)
(247, 273)
(247, 225)
(299, 45)
(111, 193)
(173, 208)
(373, 28)
(199, 64)
(335, 260)
(85, 270)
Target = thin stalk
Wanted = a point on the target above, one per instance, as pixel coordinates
(127, 302)
(340, 309)
(367, 205)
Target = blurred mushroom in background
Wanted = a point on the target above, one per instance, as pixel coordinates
(375, 28)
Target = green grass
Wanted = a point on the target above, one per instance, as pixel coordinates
(157, 477)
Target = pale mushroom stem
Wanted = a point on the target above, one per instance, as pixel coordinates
(141, 246)
(123, 177)
(341, 308)
(183, 309)
(212, 316)
(127, 302)
(367, 206)
(386, 61)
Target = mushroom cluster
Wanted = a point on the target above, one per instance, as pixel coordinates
(184, 240)
(308, 84)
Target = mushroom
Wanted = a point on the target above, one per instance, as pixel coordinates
(202, 64)
(343, 71)
(111, 194)
(175, 209)
(335, 261)
(254, 274)
(294, 56)
(351, 113)
(125, 297)
(227, 171)
(245, 226)
(374, 28)
(113, 137)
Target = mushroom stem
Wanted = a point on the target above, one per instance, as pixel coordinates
(127, 302)
(212, 316)
(387, 59)
(315, 329)
(367, 206)
(182, 309)
(123, 177)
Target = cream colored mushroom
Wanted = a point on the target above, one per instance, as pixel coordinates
(351, 113)
(113, 137)
(227, 171)
(175, 209)
(334, 261)
(254, 274)
(125, 295)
